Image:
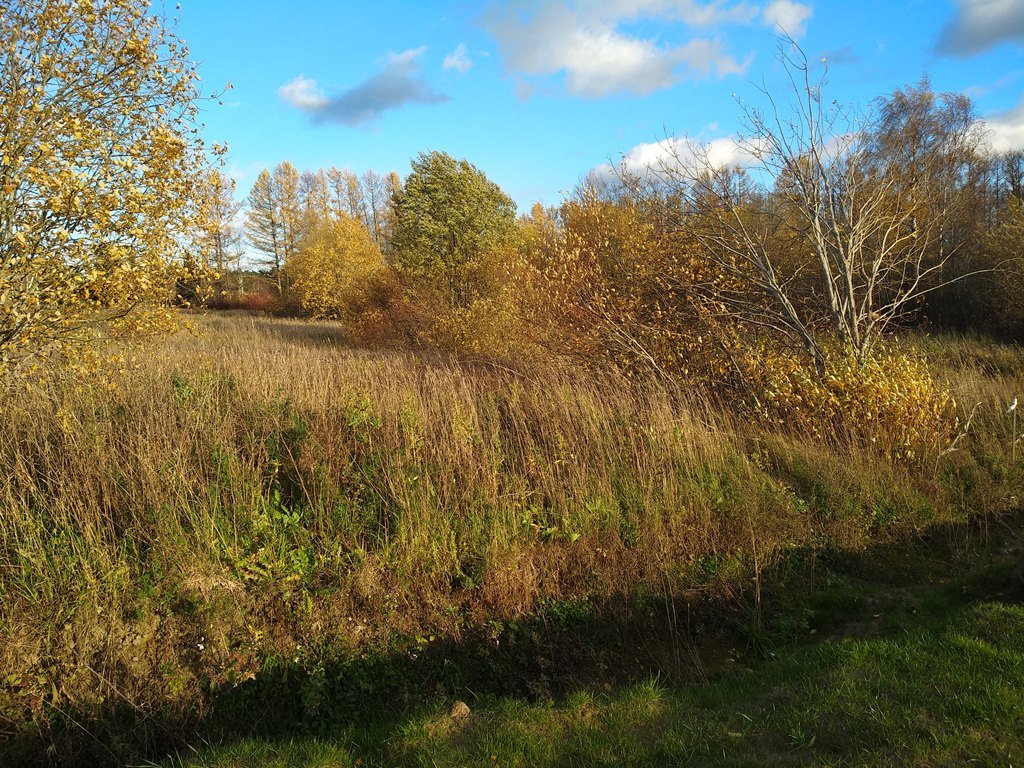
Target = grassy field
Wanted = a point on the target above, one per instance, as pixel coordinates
(907, 655)
(258, 530)
(867, 702)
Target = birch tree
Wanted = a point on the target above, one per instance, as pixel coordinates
(867, 232)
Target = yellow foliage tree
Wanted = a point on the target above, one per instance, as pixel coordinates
(219, 238)
(503, 321)
(100, 164)
(334, 269)
(627, 291)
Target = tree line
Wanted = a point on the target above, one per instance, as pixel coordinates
(833, 231)
(777, 279)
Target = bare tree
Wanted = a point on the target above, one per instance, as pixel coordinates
(862, 230)
(377, 202)
(1011, 172)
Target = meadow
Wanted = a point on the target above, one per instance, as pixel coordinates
(253, 529)
(713, 459)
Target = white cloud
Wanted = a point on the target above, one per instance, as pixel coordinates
(690, 12)
(683, 155)
(981, 24)
(459, 60)
(398, 83)
(586, 42)
(603, 62)
(787, 16)
(708, 56)
(303, 92)
(679, 156)
(1006, 129)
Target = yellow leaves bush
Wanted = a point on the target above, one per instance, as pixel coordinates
(498, 321)
(624, 291)
(592, 278)
(646, 299)
(889, 402)
(380, 314)
(339, 273)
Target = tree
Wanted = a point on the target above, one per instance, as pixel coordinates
(868, 227)
(100, 168)
(264, 227)
(289, 201)
(314, 200)
(594, 273)
(386, 230)
(448, 217)
(274, 219)
(219, 237)
(539, 229)
(331, 272)
(379, 192)
(621, 287)
(999, 291)
(367, 200)
(1010, 167)
(346, 194)
(932, 146)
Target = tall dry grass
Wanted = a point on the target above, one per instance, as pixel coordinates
(260, 487)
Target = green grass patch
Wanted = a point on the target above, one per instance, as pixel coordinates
(907, 654)
(950, 694)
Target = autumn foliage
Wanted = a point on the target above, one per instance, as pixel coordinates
(655, 389)
(748, 288)
(334, 268)
(101, 169)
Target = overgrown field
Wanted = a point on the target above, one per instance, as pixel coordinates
(259, 513)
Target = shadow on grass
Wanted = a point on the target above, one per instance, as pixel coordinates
(573, 648)
(312, 333)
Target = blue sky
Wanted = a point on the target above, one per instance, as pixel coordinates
(537, 93)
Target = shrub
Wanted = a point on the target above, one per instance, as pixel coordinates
(500, 322)
(381, 313)
(890, 401)
(257, 301)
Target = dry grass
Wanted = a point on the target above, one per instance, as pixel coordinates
(262, 491)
